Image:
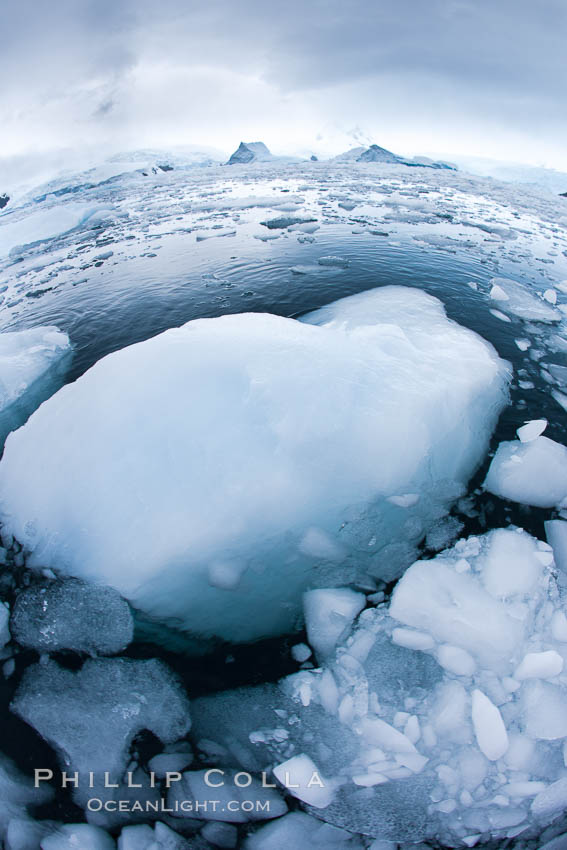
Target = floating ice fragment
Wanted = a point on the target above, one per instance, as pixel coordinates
(531, 430)
(230, 438)
(329, 613)
(489, 728)
(518, 300)
(539, 665)
(533, 473)
(301, 778)
(72, 614)
(92, 716)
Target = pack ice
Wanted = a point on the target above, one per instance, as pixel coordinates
(32, 365)
(442, 717)
(215, 472)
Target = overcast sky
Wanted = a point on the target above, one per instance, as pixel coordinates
(478, 77)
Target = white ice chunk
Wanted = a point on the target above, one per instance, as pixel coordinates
(227, 439)
(456, 660)
(550, 295)
(539, 665)
(300, 652)
(531, 430)
(329, 613)
(511, 565)
(379, 733)
(455, 609)
(514, 298)
(32, 365)
(533, 473)
(489, 728)
(302, 778)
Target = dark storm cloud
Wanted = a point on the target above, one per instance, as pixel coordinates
(503, 56)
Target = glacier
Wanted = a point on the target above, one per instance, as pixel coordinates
(213, 473)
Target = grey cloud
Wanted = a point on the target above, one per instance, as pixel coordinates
(483, 58)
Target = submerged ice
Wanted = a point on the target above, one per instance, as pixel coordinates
(215, 472)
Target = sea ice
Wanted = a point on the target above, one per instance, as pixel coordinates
(472, 747)
(532, 473)
(329, 613)
(72, 614)
(44, 225)
(32, 365)
(92, 716)
(513, 297)
(215, 472)
(303, 780)
(489, 728)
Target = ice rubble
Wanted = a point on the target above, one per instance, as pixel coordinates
(32, 365)
(255, 456)
(441, 717)
(72, 614)
(514, 298)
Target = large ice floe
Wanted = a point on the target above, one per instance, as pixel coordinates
(443, 716)
(32, 366)
(215, 472)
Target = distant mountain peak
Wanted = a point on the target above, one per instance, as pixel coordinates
(374, 153)
(249, 152)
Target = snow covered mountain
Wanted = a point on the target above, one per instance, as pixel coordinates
(374, 153)
(250, 152)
